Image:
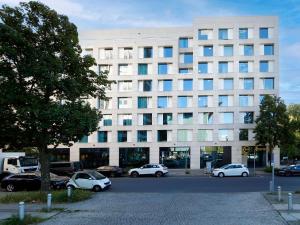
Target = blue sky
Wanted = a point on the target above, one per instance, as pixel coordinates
(93, 14)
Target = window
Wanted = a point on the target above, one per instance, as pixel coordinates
(184, 135)
(205, 118)
(144, 102)
(261, 98)
(243, 135)
(84, 139)
(228, 84)
(186, 85)
(142, 136)
(124, 103)
(102, 136)
(125, 86)
(243, 33)
(142, 69)
(166, 52)
(248, 50)
(203, 67)
(165, 85)
(267, 83)
(164, 68)
(122, 136)
(223, 34)
(145, 119)
(263, 66)
(183, 42)
(228, 50)
(163, 135)
(105, 53)
(225, 135)
(246, 117)
(205, 34)
(268, 49)
(164, 118)
(164, 102)
(105, 68)
(104, 104)
(243, 67)
(225, 100)
(125, 53)
(185, 71)
(184, 101)
(207, 84)
(186, 58)
(107, 120)
(263, 33)
(185, 118)
(125, 69)
(246, 100)
(226, 117)
(125, 119)
(208, 50)
(247, 83)
(205, 135)
(202, 101)
(145, 85)
(145, 52)
(223, 67)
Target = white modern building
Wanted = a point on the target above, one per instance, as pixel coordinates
(183, 95)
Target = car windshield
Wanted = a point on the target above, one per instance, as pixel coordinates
(97, 176)
(28, 161)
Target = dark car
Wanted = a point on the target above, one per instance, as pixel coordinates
(293, 170)
(65, 168)
(31, 181)
(110, 171)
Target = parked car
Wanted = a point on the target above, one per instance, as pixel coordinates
(89, 179)
(231, 170)
(157, 170)
(65, 168)
(31, 181)
(110, 171)
(293, 170)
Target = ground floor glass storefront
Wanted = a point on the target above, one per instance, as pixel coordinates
(255, 156)
(133, 157)
(216, 155)
(92, 158)
(59, 154)
(175, 157)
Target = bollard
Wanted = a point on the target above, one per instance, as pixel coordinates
(290, 201)
(69, 192)
(271, 186)
(21, 210)
(49, 199)
(279, 193)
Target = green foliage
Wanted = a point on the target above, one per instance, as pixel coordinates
(28, 219)
(59, 196)
(44, 81)
(272, 124)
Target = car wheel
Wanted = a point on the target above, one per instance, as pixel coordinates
(97, 188)
(244, 174)
(71, 186)
(221, 175)
(158, 174)
(10, 188)
(134, 174)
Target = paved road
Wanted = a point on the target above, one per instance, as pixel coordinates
(202, 184)
(109, 208)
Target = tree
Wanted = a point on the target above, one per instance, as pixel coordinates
(44, 82)
(272, 124)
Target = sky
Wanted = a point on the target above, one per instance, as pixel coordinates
(98, 14)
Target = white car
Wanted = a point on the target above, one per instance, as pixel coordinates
(157, 170)
(231, 170)
(89, 179)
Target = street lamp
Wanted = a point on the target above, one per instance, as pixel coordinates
(272, 164)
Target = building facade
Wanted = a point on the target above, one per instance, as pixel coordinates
(183, 96)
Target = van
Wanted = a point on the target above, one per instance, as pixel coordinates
(65, 168)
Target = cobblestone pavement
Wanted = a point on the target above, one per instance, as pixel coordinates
(170, 209)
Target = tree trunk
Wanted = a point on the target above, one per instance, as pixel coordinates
(45, 168)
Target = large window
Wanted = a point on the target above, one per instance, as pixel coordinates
(206, 84)
(125, 53)
(84, 139)
(243, 67)
(164, 118)
(145, 85)
(205, 135)
(125, 69)
(228, 83)
(226, 117)
(208, 50)
(246, 117)
(225, 134)
(145, 52)
(165, 85)
(142, 136)
(223, 34)
(125, 86)
(125, 119)
(133, 157)
(164, 135)
(164, 68)
(203, 101)
(247, 83)
(184, 43)
(263, 33)
(205, 118)
(268, 49)
(203, 67)
(144, 102)
(185, 118)
(91, 158)
(142, 69)
(184, 135)
(205, 34)
(184, 101)
(267, 83)
(246, 100)
(107, 120)
(124, 136)
(223, 67)
(243, 135)
(145, 119)
(175, 157)
(186, 85)
(217, 156)
(225, 100)
(164, 102)
(243, 33)
(263, 66)
(124, 103)
(248, 50)
(228, 50)
(186, 58)
(168, 52)
(102, 136)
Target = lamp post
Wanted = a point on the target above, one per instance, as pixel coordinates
(272, 164)
(254, 161)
